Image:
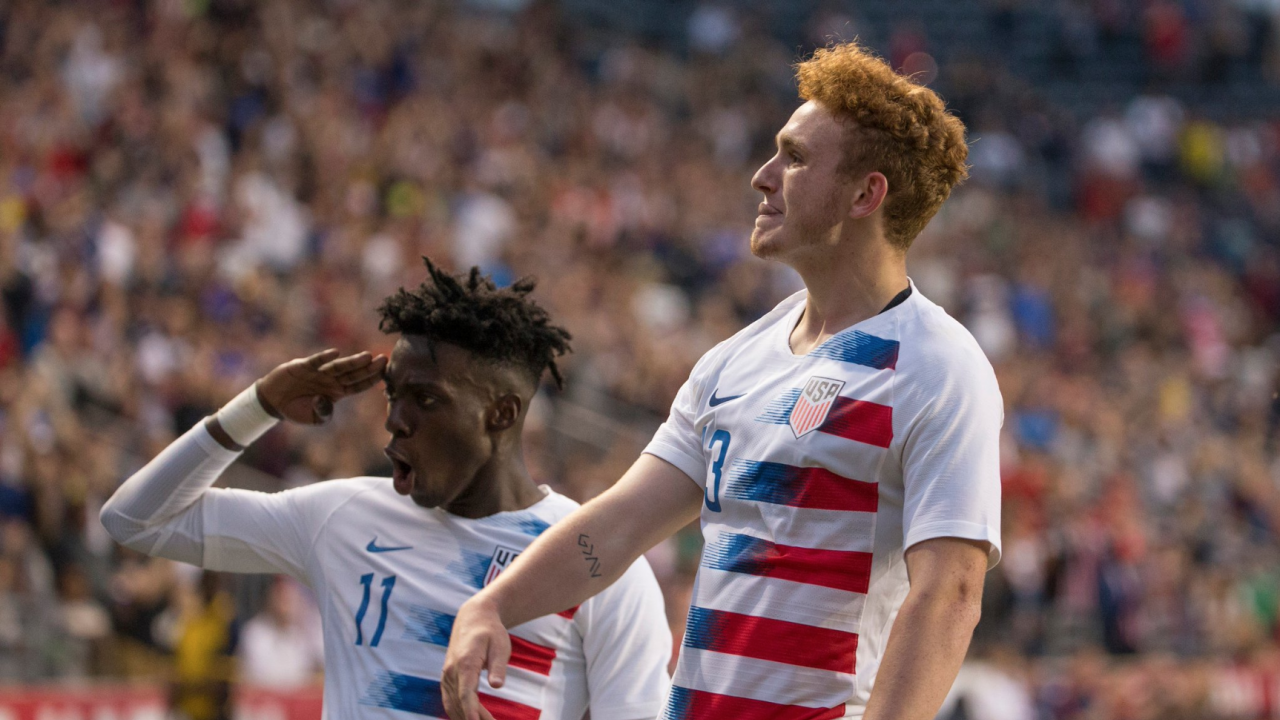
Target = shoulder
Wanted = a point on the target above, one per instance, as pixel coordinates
(548, 511)
(329, 495)
(939, 359)
(933, 342)
(556, 507)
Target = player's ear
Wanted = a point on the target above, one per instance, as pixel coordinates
(869, 194)
(504, 412)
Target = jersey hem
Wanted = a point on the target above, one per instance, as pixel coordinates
(693, 467)
(957, 529)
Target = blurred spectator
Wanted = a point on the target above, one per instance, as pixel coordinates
(282, 647)
(83, 625)
(205, 643)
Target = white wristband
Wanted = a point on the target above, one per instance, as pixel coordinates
(244, 419)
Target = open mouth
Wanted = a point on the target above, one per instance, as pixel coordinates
(401, 472)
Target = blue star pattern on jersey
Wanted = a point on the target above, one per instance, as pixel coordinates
(762, 482)
(407, 693)
(471, 567)
(778, 412)
(527, 525)
(859, 348)
(429, 626)
(737, 553)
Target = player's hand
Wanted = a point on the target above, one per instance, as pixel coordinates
(305, 390)
(479, 641)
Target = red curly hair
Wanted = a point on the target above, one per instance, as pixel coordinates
(898, 128)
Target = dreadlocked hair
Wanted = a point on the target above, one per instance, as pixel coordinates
(470, 311)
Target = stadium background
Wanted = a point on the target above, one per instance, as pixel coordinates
(192, 191)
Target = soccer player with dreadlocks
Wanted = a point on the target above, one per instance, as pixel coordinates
(392, 559)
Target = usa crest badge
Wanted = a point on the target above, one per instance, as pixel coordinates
(815, 403)
(501, 560)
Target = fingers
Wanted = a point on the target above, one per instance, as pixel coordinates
(305, 390)
(362, 384)
(499, 653)
(461, 684)
(339, 366)
(365, 376)
(354, 373)
(319, 359)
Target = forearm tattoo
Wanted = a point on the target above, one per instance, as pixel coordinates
(589, 554)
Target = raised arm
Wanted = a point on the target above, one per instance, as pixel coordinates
(577, 558)
(157, 510)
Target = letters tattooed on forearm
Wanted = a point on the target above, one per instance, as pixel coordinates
(589, 554)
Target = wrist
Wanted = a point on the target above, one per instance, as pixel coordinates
(245, 418)
(488, 602)
(266, 404)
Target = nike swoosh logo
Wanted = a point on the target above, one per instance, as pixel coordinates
(714, 401)
(373, 547)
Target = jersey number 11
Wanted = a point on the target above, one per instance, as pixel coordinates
(366, 580)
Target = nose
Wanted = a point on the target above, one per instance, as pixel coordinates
(767, 178)
(396, 424)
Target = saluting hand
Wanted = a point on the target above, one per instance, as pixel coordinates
(305, 390)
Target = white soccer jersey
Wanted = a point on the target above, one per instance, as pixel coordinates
(389, 577)
(818, 471)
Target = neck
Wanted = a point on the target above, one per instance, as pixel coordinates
(501, 485)
(847, 284)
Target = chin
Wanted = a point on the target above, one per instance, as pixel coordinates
(424, 500)
(765, 245)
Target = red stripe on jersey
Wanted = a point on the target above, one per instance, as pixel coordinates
(839, 569)
(686, 704)
(769, 639)
(570, 612)
(503, 709)
(821, 489)
(860, 421)
(531, 656)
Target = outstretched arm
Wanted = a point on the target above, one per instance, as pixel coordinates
(156, 511)
(577, 558)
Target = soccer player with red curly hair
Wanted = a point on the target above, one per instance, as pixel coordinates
(842, 451)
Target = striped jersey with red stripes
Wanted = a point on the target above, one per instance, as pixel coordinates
(818, 471)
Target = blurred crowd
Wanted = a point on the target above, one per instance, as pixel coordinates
(192, 191)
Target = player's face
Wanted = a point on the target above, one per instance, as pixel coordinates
(805, 193)
(437, 412)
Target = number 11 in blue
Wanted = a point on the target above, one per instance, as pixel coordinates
(366, 580)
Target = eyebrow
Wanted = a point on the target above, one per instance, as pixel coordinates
(787, 141)
(413, 384)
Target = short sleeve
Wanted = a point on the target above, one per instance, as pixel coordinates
(627, 644)
(951, 456)
(677, 440)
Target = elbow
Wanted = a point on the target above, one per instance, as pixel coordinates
(959, 601)
(966, 602)
(119, 526)
(971, 614)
